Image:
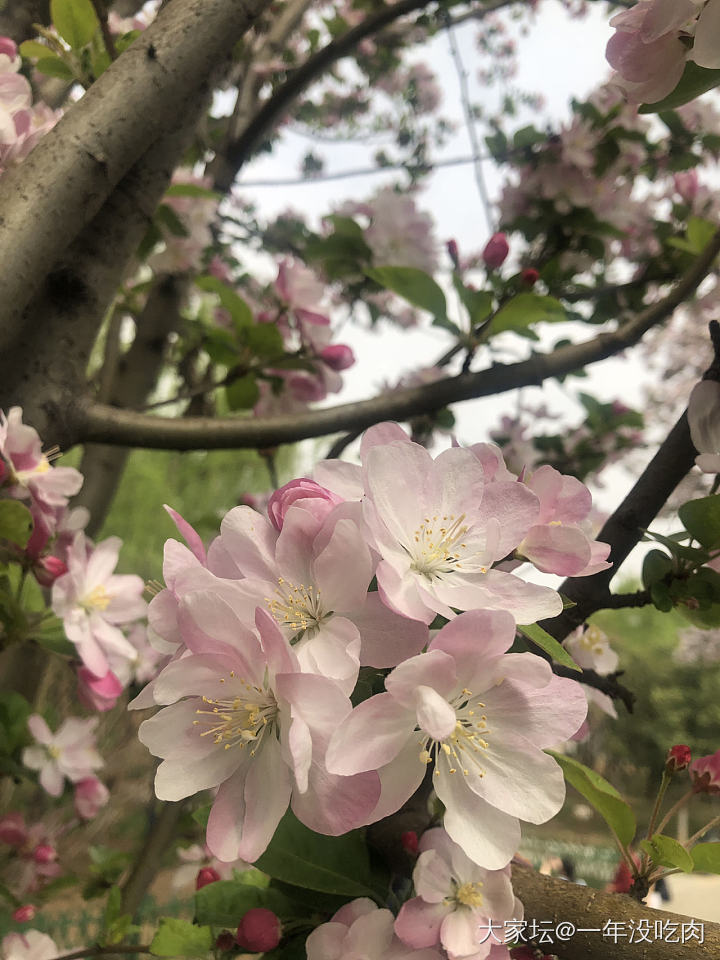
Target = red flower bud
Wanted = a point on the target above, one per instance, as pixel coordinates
(678, 758)
(13, 830)
(44, 853)
(225, 941)
(454, 253)
(409, 841)
(48, 569)
(529, 277)
(496, 250)
(24, 914)
(338, 356)
(205, 876)
(260, 930)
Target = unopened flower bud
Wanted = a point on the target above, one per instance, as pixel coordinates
(205, 876)
(225, 941)
(529, 277)
(91, 795)
(409, 841)
(13, 830)
(338, 356)
(260, 930)
(454, 253)
(48, 569)
(678, 758)
(8, 47)
(496, 250)
(44, 853)
(24, 914)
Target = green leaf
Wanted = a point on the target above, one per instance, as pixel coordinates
(242, 393)
(478, 303)
(34, 50)
(600, 794)
(706, 857)
(54, 67)
(699, 232)
(668, 852)
(180, 938)
(51, 636)
(75, 21)
(223, 903)
(168, 218)
(264, 339)
(16, 522)
(191, 190)
(656, 566)
(694, 81)
(549, 644)
(14, 713)
(525, 309)
(415, 286)
(300, 857)
(235, 305)
(202, 814)
(702, 519)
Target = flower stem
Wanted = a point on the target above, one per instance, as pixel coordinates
(674, 809)
(701, 832)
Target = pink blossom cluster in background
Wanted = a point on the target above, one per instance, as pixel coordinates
(22, 123)
(267, 630)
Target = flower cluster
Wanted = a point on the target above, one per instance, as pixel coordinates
(22, 123)
(269, 627)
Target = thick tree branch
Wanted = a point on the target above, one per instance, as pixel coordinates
(554, 900)
(62, 185)
(107, 425)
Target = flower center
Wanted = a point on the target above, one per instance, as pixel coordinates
(296, 607)
(436, 545)
(593, 640)
(463, 748)
(97, 599)
(469, 894)
(241, 720)
(53, 751)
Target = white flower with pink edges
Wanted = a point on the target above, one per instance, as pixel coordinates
(69, 753)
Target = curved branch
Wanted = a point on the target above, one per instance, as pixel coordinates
(109, 425)
(300, 79)
(553, 900)
(61, 186)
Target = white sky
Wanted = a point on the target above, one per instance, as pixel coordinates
(560, 57)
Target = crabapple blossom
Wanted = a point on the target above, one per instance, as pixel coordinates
(399, 235)
(304, 493)
(705, 773)
(455, 899)
(301, 291)
(98, 693)
(205, 876)
(559, 542)
(314, 577)
(92, 601)
(704, 421)
(590, 648)
(242, 717)
(496, 250)
(29, 474)
(678, 758)
(69, 753)
(361, 930)
(440, 531)
(482, 717)
(24, 914)
(30, 945)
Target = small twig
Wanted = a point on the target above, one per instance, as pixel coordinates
(609, 684)
(341, 444)
(101, 11)
(619, 601)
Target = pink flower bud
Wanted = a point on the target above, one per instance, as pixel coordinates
(24, 914)
(338, 356)
(8, 47)
(306, 493)
(13, 830)
(529, 277)
(225, 941)
(454, 253)
(205, 876)
(678, 758)
(44, 853)
(48, 569)
(409, 841)
(496, 250)
(91, 795)
(98, 693)
(260, 930)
